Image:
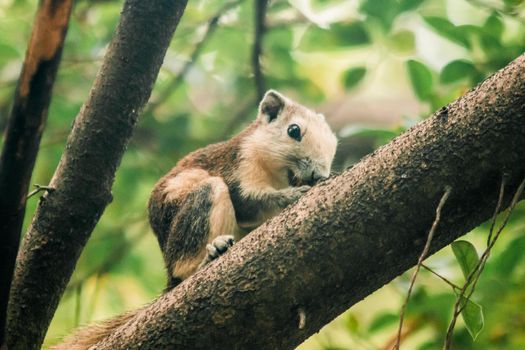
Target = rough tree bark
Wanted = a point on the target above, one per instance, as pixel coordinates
(24, 131)
(65, 218)
(351, 234)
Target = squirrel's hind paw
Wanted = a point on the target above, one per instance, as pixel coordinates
(216, 248)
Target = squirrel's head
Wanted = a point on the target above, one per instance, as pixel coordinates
(293, 141)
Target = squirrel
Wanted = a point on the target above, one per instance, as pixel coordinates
(216, 195)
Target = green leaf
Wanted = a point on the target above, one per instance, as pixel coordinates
(421, 79)
(493, 25)
(512, 3)
(466, 256)
(473, 316)
(340, 35)
(457, 70)
(353, 76)
(7, 53)
(407, 5)
(492, 47)
(352, 323)
(402, 41)
(448, 30)
(384, 11)
(429, 345)
(382, 321)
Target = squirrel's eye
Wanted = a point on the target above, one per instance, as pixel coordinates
(294, 131)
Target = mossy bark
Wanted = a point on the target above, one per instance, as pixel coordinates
(66, 217)
(349, 235)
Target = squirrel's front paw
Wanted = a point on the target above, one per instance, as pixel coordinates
(293, 194)
(216, 248)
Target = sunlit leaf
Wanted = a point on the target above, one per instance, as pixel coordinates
(466, 256)
(421, 79)
(457, 70)
(473, 316)
(402, 41)
(352, 323)
(353, 76)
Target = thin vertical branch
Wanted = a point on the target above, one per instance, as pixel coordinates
(24, 130)
(422, 257)
(497, 209)
(260, 7)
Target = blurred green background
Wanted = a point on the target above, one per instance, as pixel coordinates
(374, 68)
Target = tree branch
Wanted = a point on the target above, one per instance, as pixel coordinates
(349, 235)
(65, 218)
(24, 130)
(259, 30)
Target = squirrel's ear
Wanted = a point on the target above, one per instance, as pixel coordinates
(271, 105)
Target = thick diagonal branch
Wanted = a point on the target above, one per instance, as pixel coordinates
(65, 218)
(349, 235)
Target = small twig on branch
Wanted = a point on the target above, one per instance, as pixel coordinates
(410, 328)
(473, 277)
(422, 257)
(497, 209)
(260, 29)
(40, 188)
(452, 284)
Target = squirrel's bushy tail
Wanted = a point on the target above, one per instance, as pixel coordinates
(86, 337)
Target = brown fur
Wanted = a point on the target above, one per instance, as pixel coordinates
(84, 338)
(230, 188)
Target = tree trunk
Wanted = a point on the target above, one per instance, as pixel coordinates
(350, 235)
(24, 131)
(66, 217)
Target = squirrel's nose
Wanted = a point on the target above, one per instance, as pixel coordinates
(315, 178)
